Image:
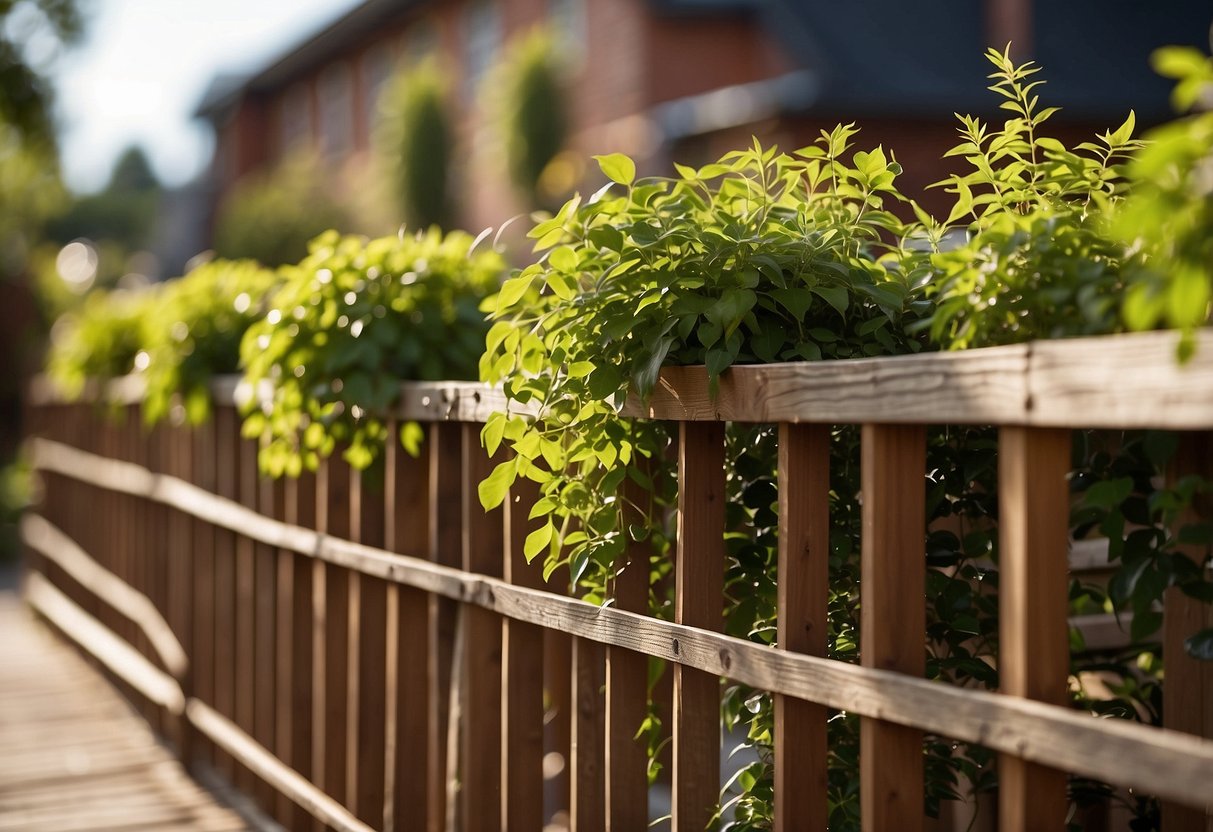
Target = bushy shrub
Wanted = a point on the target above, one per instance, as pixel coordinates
(532, 111)
(348, 323)
(193, 333)
(99, 339)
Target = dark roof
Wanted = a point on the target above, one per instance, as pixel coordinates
(924, 59)
(331, 40)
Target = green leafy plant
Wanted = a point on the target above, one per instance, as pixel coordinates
(1169, 215)
(348, 323)
(1039, 260)
(197, 324)
(99, 339)
(413, 136)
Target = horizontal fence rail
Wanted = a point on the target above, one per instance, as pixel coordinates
(364, 655)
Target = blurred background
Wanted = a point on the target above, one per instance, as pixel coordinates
(136, 135)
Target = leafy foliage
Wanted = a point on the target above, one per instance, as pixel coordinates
(759, 257)
(98, 340)
(1039, 261)
(413, 136)
(347, 324)
(199, 321)
(1170, 213)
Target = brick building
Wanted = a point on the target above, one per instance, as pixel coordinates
(689, 79)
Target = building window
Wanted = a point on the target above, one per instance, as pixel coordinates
(482, 38)
(294, 119)
(336, 110)
(376, 68)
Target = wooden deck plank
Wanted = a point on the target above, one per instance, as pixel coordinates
(74, 756)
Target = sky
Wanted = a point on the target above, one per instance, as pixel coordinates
(143, 65)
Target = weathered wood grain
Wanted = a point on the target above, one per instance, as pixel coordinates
(1033, 601)
(522, 678)
(802, 592)
(892, 617)
(480, 724)
(698, 602)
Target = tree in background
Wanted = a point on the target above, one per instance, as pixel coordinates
(270, 218)
(25, 96)
(413, 139)
(532, 115)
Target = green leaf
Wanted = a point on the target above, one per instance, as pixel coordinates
(493, 489)
(1108, 493)
(512, 291)
(537, 541)
(836, 296)
(617, 167)
(563, 258)
(604, 382)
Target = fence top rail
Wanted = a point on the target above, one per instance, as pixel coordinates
(1111, 381)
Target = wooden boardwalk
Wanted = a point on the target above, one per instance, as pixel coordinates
(74, 756)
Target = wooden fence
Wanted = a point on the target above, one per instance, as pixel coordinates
(361, 655)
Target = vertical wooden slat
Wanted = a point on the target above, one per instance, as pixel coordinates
(226, 438)
(202, 655)
(480, 728)
(558, 728)
(406, 530)
(1187, 690)
(1034, 646)
(698, 602)
(446, 548)
(265, 616)
(284, 652)
(246, 609)
(627, 675)
(331, 615)
(803, 590)
(180, 567)
(300, 509)
(367, 658)
(892, 616)
(522, 678)
(587, 794)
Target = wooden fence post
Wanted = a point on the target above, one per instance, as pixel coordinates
(446, 548)
(1187, 691)
(698, 602)
(892, 616)
(1033, 601)
(480, 729)
(330, 663)
(407, 532)
(627, 679)
(367, 671)
(522, 678)
(801, 779)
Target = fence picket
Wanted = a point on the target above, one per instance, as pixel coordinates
(587, 798)
(446, 548)
(226, 439)
(367, 658)
(698, 602)
(1033, 600)
(202, 650)
(522, 679)
(406, 531)
(1188, 688)
(892, 616)
(299, 508)
(480, 729)
(627, 677)
(803, 590)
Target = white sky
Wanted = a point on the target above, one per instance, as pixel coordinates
(143, 66)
